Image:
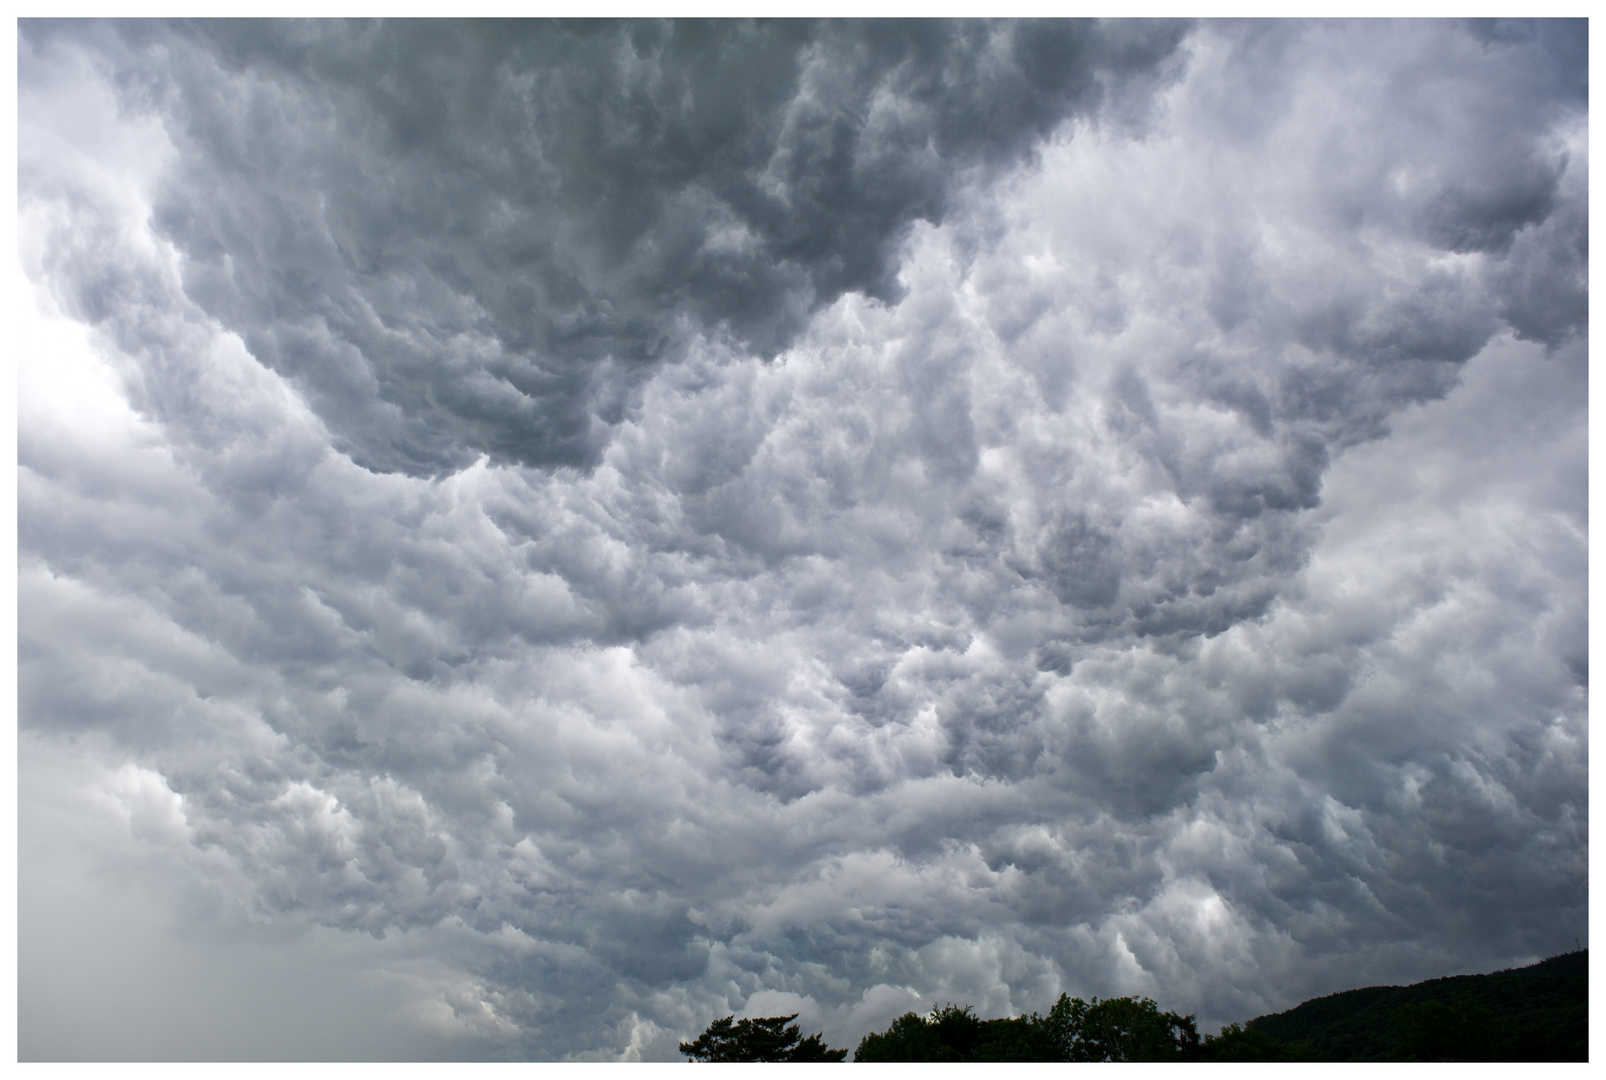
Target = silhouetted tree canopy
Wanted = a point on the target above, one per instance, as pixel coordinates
(1537, 1013)
(952, 1033)
(1119, 1029)
(1238, 1043)
(766, 1038)
(1457, 1030)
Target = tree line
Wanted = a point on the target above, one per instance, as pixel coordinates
(1115, 1029)
(1539, 1013)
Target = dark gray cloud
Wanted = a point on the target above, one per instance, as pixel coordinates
(480, 237)
(1107, 514)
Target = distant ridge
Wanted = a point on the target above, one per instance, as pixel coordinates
(1568, 963)
(1536, 1013)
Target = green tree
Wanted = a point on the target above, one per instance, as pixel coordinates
(1119, 1029)
(953, 1033)
(1457, 1030)
(1237, 1043)
(766, 1038)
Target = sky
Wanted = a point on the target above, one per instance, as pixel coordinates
(535, 537)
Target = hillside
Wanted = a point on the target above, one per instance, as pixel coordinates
(1536, 1013)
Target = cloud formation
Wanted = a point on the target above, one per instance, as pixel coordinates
(470, 238)
(649, 521)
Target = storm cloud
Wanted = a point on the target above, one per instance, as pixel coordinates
(469, 238)
(600, 526)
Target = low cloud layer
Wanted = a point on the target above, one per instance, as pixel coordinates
(637, 523)
(481, 238)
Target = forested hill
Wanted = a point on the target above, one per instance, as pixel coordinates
(1536, 1013)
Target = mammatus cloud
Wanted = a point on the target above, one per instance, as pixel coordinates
(646, 522)
(482, 237)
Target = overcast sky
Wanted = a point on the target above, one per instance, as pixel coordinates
(534, 538)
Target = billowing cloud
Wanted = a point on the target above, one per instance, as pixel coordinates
(470, 238)
(638, 522)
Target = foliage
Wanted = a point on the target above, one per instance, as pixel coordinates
(952, 1033)
(767, 1038)
(1237, 1043)
(1442, 1030)
(1538, 1013)
(1119, 1029)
